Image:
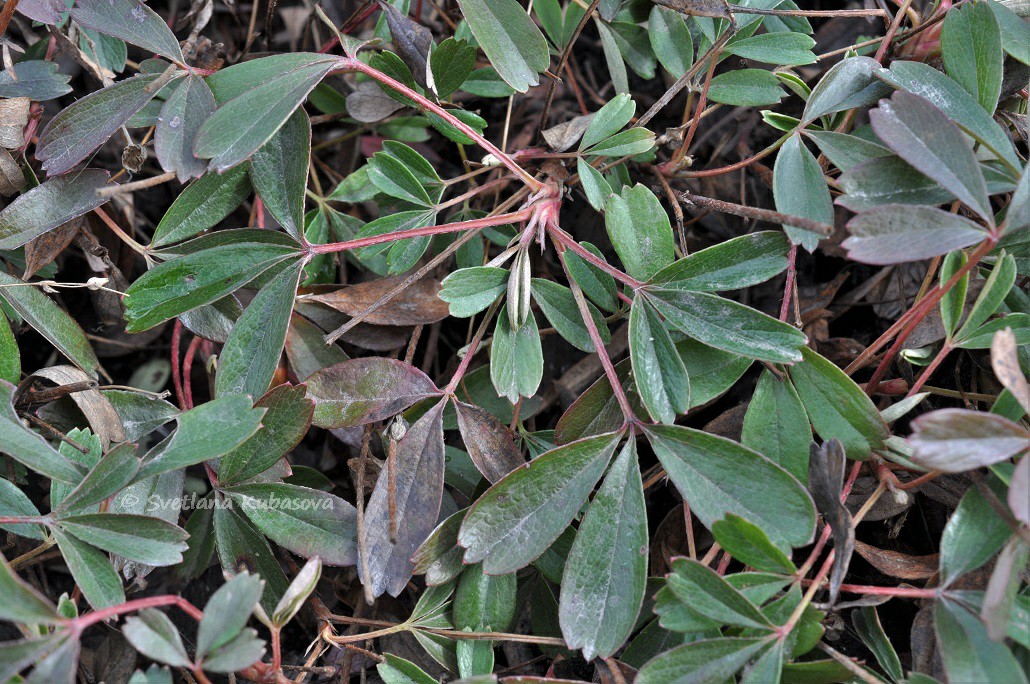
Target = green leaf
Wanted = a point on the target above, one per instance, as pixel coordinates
(971, 49)
(21, 602)
(395, 670)
(782, 48)
(393, 178)
(244, 650)
(597, 189)
(659, 373)
(845, 150)
(747, 543)
(113, 473)
(745, 88)
(671, 41)
(634, 46)
(974, 533)
(599, 286)
(630, 142)
(35, 79)
(287, 80)
(300, 589)
(640, 231)
(439, 556)
(202, 205)
(154, 635)
(510, 39)
(27, 447)
(227, 612)
(131, 21)
(91, 569)
(418, 490)
(306, 521)
(702, 662)
(970, 655)
(86, 124)
(837, 407)
(613, 58)
(897, 233)
(727, 325)
(49, 205)
(183, 112)
(706, 470)
(519, 517)
(137, 537)
(559, 307)
(924, 137)
(606, 573)
(777, 426)
(190, 281)
(13, 501)
(948, 96)
(484, 602)
(608, 120)
(848, 84)
(731, 265)
(1015, 34)
(452, 61)
(995, 290)
(286, 421)
(205, 432)
(471, 290)
(712, 596)
(92, 444)
(10, 355)
(140, 414)
(242, 548)
(957, 440)
(279, 171)
(516, 358)
(366, 390)
(799, 189)
(252, 351)
(867, 624)
(486, 82)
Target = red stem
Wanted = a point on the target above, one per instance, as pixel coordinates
(83, 621)
(187, 368)
(176, 374)
(788, 288)
(354, 64)
(929, 370)
(566, 240)
(499, 220)
(595, 338)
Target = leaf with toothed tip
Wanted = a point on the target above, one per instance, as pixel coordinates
(132, 21)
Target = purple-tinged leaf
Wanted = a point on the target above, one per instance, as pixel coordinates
(969, 653)
(849, 84)
(418, 488)
(926, 138)
(279, 172)
(44, 11)
(957, 440)
(897, 233)
(489, 442)
(826, 465)
(87, 123)
(132, 21)
(181, 117)
(366, 390)
(49, 205)
(412, 41)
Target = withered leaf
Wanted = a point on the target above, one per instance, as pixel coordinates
(418, 491)
(897, 564)
(14, 114)
(825, 481)
(489, 442)
(94, 405)
(1005, 363)
(412, 42)
(417, 304)
(44, 248)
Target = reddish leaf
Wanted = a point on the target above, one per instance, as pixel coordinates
(417, 304)
(418, 488)
(490, 443)
(365, 390)
(897, 564)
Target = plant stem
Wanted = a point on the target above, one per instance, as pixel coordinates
(788, 287)
(744, 211)
(135, 185)
(929, 370)
(354, 64)
(357, 243)
(566, 240)
(595, 337)
(470, 350)
(83, 621)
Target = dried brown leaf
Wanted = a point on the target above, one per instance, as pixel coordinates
(490, 444)
(417, 304)
(1006, 366)
(897, 564)
(44, 249)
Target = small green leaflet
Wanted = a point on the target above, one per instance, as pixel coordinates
(510, 39)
